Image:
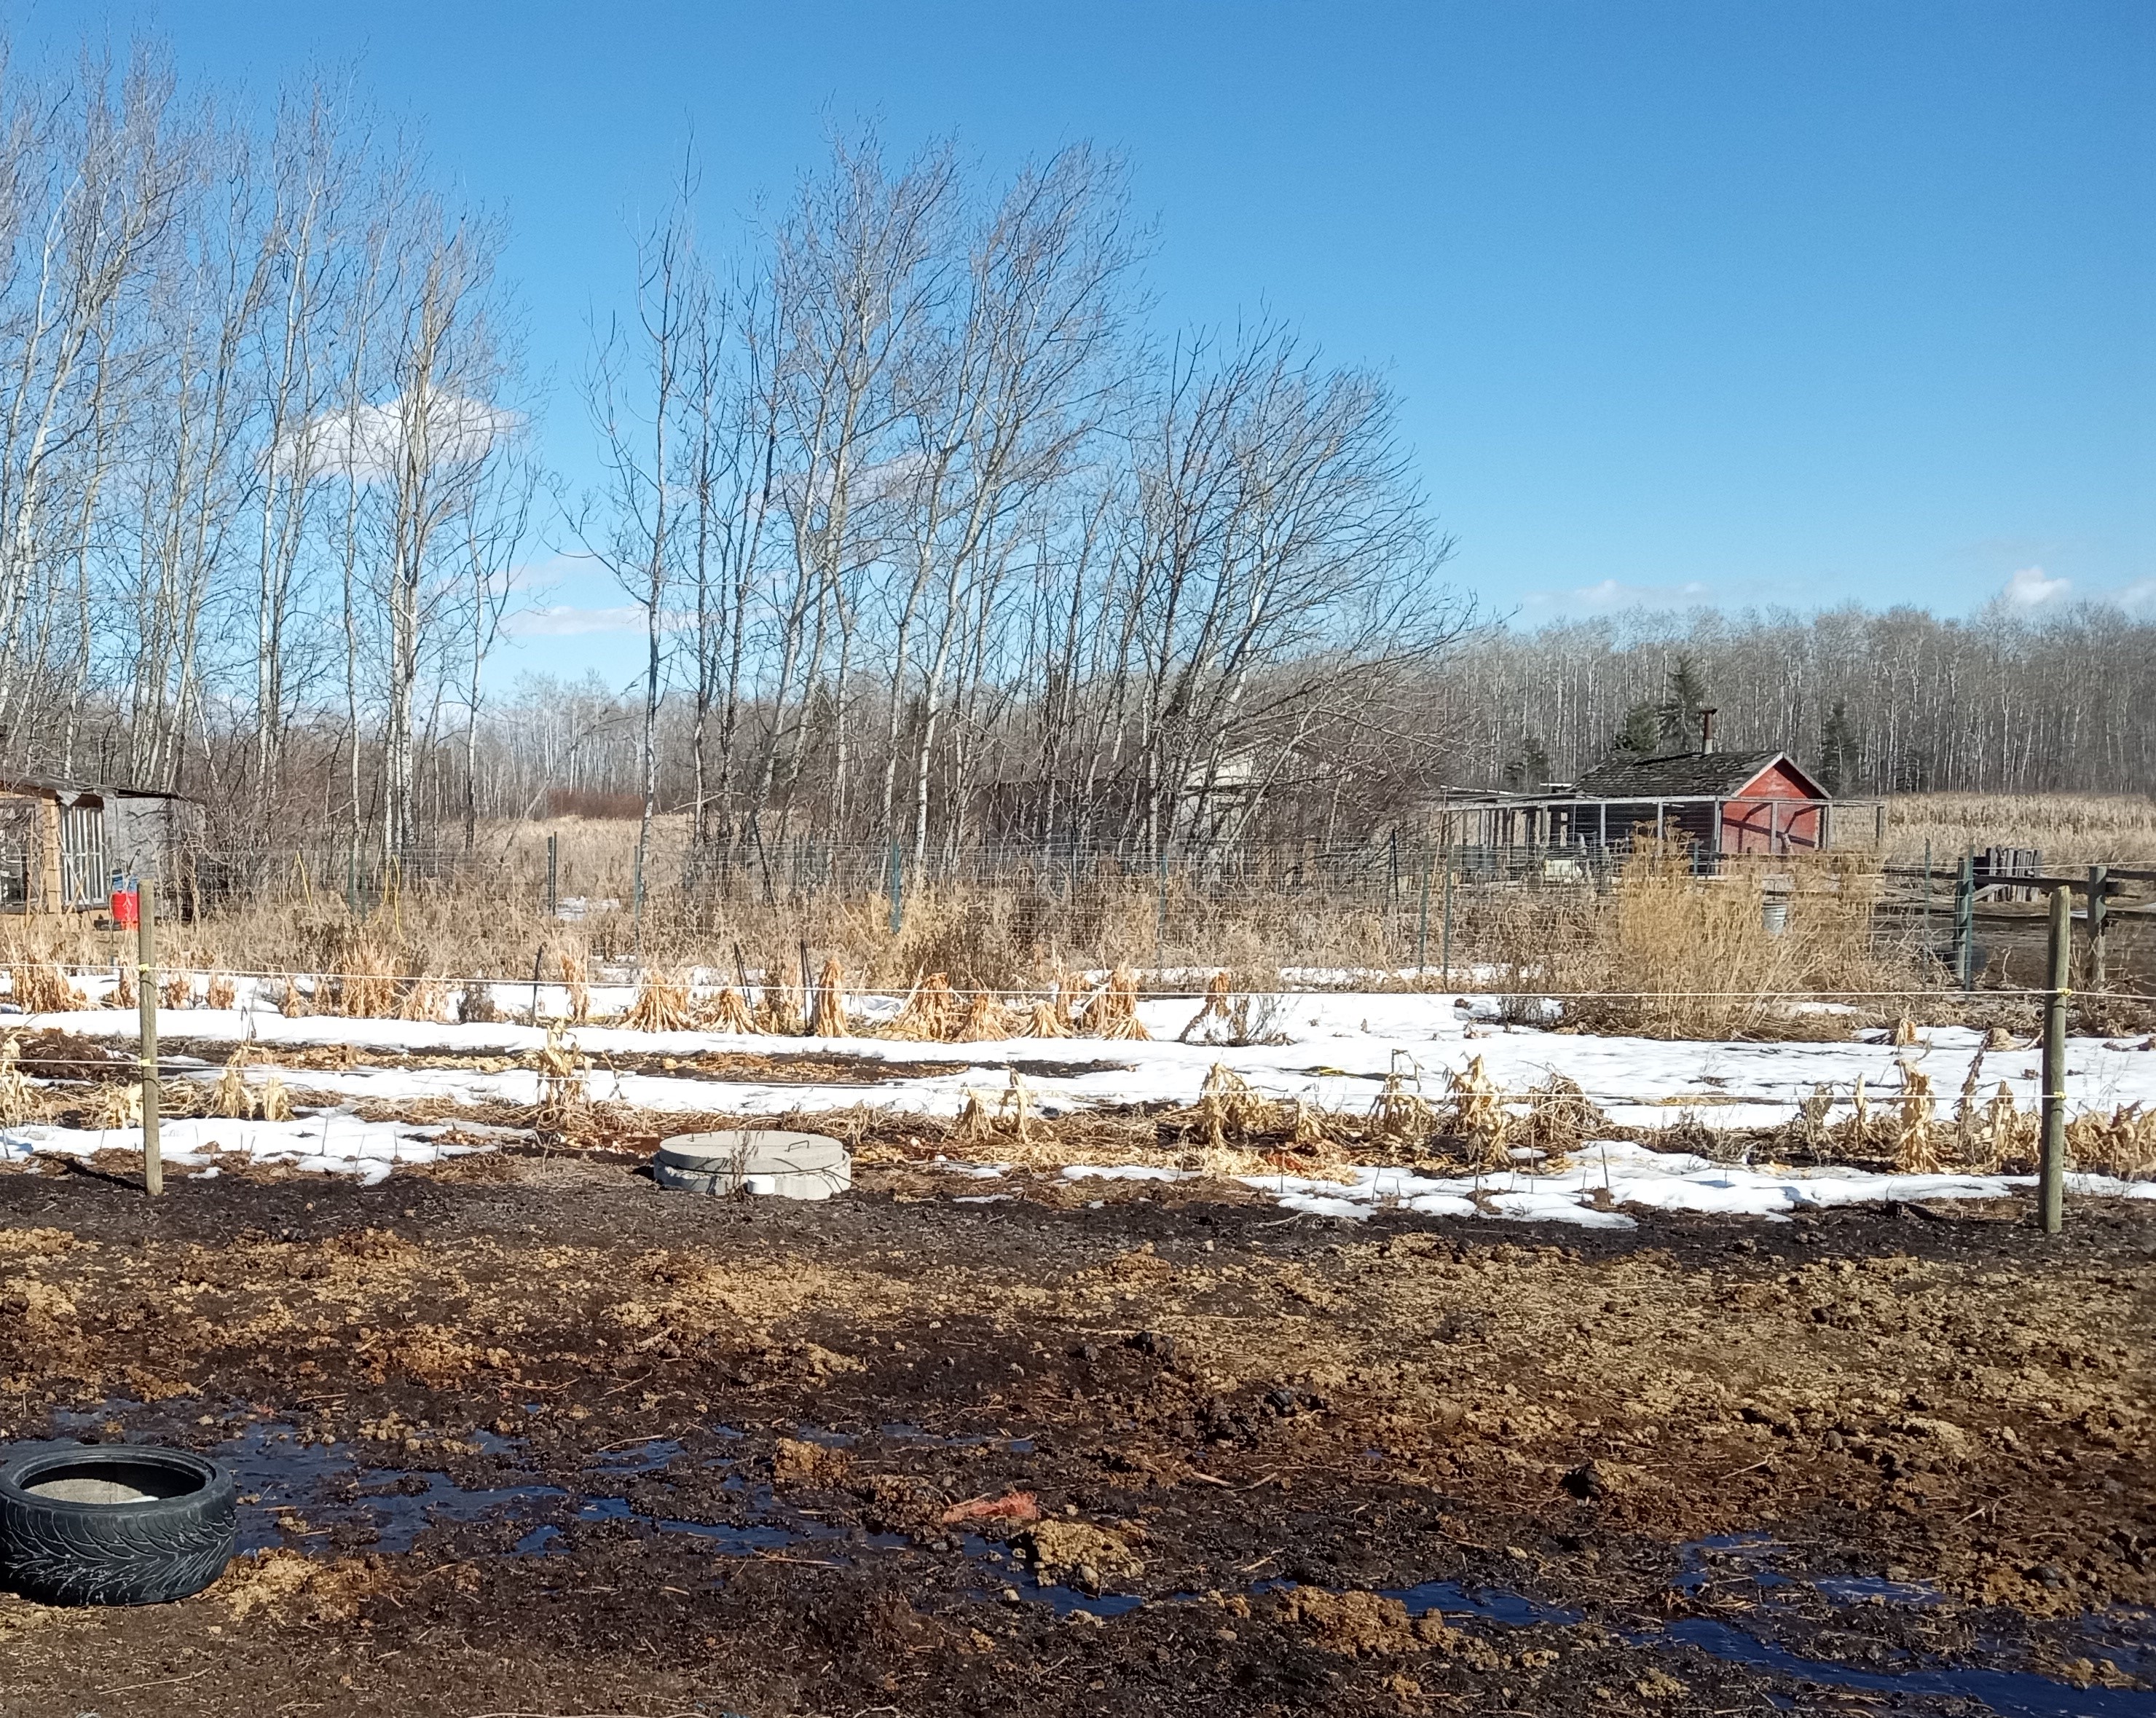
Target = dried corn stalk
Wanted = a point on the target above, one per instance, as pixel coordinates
(1916, 1140)
(41, 987)
(830, 1018)
(729, 1011)
(123, 990)
(662, 1004)
(561, 1067)
(1216, 1006)
(1229, 1110)
(973, 1124)
(425, 999)
(2003, 1134)
(1855, 1132)
(987, 1020)
(220, 993)
(272, 1103)
(2122, 1143)
(1309, 1130)
(1968, 1113)
(176, 991)
(1905, 1031)
(119, 1106)
(931, 1011)
(366, 988)
(1400, 1114)
(778, 1010)
(1475, 1112)
(576, 978)
(295, 1003)
(231, 1097)
(1113, 1011)
(1047, 1021)
(1014, 1109)
(18, 1099)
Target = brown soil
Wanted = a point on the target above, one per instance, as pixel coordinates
(906, 1440)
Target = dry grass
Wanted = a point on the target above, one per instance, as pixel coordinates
(1678, 955)
(2070, 828)
(19, 1100)
(367, 982)
(1112, 1012)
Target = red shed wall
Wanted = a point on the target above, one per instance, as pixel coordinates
(1760, 819)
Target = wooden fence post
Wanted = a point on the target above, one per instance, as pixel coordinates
(146, 1013)
(2051, 1169)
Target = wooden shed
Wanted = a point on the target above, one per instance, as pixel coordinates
(61, 842)
(1726, 802)
(1723, 802)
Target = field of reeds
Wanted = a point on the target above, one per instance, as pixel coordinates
(1653, 948)
(2069, 829)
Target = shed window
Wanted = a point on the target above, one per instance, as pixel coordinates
(19, 847)
(82, 854)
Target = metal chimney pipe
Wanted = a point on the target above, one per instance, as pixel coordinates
(1706, 729)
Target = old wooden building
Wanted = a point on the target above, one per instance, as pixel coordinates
(62, 843)
(1721, 803)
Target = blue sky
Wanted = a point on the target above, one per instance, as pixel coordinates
(1722, 303)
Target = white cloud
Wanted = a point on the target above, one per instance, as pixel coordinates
(368, 443)
(2032, 587)
(1611, 593)
(565, 620)
(2139, 598)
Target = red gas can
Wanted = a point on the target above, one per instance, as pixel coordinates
(127, 904)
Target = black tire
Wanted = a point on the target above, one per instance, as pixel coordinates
(173, 1541)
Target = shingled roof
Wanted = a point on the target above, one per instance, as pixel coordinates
(1704, 774)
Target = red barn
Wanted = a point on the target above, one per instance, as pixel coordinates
(1728, 802)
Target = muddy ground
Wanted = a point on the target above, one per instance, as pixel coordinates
(528, 1435)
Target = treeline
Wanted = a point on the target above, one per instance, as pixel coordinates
(1896, 702)
(262, 471)
(929, 533)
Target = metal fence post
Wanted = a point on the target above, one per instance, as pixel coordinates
(1930, 953)
(1445, 978)
(146, 1013)
(2099, 885)
(1422, 925)
(897, 886)
(1160, 917)
(1965, 924)
(2051, 1170)
(553, 875)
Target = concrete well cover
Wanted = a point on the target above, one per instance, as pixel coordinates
(772, 1162)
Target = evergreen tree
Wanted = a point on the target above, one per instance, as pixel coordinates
(1841, 753)
(1638, 735)
(1684, 696)
(1530, 771)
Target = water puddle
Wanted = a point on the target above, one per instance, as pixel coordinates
(644, 1455)
(900, 1432)
(2009, 1694)
(1492, 1604)
(318, 1495)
